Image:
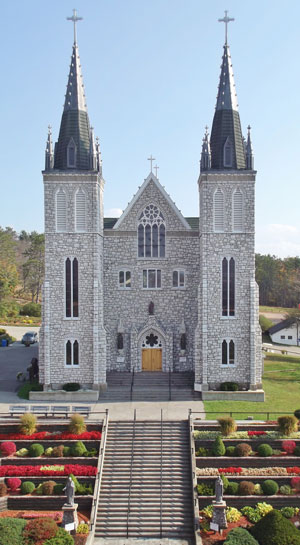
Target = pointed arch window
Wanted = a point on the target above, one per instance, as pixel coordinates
(228, 352)
(228, 153)
(61, 211)
(71, 154)
(238, 216)
(219, 211)
(71, 288)
(72, 353)
(151, 233)
(80, 210)
(228, 287)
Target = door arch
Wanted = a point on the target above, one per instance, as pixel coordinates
(151, 351)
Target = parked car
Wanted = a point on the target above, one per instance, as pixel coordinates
(30, 337)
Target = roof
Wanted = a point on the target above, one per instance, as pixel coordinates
(193, 223)
(281, 325)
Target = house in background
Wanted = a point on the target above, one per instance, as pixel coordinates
(286, 332)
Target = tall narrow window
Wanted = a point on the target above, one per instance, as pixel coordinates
(151, 233)
(178, 279)
(152, 279)
(238, 211)
(71, 288)
(72, 353)
(71, 154)
(227, 153)
(80, 210)
(228, 287)
(61, 211)
(228, 352)
(124, 280)
(219, 211)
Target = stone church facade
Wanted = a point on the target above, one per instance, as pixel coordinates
(151, 291)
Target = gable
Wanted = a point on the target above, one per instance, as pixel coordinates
(152, 192)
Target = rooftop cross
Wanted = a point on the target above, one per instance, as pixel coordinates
(156, 169)
(74, 18)
(151, 159)
(226, 20)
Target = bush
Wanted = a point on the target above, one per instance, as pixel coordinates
(204, 489)
(31, 309)
(297, 414)
(78, 449)
(82, 528)
(243, 449)
(39, 489)
(22, 452)
(8, 448)
(218, 448)
(11, 531)
(258, 491)
(27, 487)
(27, 424)
(275, 529)
(3, 489)
(62, 538)
(288, 446)
(287, 512)
(58, 452)
(233, 514)
(297, 451)
(286, 490)
(251, 513)
(287, 424)
(37, 531)
(48, 487)
(71, 387)
(295, 483)
(229, 387)
(58, 489)
(77, 424)
(49, 451)
(246, 488)
(227, 425)
(240, 536)
(230, 451)
(36, 450)
(225, 482)
(232, 488)
(13, 483)
(67, 451)
(203, 452)
(264, 450)
(270, 487)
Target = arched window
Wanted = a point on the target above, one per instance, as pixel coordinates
(237, 212)
(61, 211)
(228, 287)
(228, 352)
(71, 288)
(72, 353)
(80, 210)
(71, 154)
(151, 233)
(227, 153)
(218, 211)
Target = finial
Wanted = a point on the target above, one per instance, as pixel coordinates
(151, 159)
(156, 169)
(226, 20)
(74, 18)
(249, 129)
(49, 129)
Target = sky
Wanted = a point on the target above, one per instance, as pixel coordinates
(151, 71)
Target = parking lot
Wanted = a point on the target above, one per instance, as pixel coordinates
(14, 358)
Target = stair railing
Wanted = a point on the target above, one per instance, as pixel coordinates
(98, 480)
(170, 385)
(132, 382)
(161, 469)
(131, 468)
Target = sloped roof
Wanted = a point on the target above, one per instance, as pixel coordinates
(281, 325)
(193, 223)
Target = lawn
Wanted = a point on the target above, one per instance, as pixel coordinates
(281, 382)
(275, 309)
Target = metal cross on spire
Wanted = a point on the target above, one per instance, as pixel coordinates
(156, 169)
(74, 18)
(151, 159)
(226, 20)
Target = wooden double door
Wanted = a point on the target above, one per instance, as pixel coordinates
(151, 359)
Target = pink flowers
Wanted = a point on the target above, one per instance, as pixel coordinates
(288, 446)
(8, 448)
(256, 432)
(87, 435)
(13, 483)
(295, 483)
(36, 471)
(231, 470)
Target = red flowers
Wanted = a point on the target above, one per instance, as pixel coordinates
(232, 470)
(7, 448)
(295, 482)
(92, 435)
(35, 471)
(14, 483)
(294, 469)
(256, 432)
(289, 446)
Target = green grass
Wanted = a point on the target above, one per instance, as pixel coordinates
(24, 390)
(274, 309)
(281, 383)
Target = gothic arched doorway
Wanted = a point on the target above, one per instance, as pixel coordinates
(152, 347)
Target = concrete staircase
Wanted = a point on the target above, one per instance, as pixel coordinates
(159, 501)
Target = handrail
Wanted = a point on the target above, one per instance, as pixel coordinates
(131, 467)
(132, 382)
(161, 468)
(205, 413)
(170, 385)
(98, 480)
(198, 540)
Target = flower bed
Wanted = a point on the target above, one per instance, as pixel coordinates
(87, 435)
(51, 470)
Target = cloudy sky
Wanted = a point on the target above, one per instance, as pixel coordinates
(151, 70)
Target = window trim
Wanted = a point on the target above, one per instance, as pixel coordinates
(227, 316)
(219, 191)
(151, 288)
(151, 223)
(179, 270)
(238, 189)
(80, 190)
(57, 230)
(71, 258)
(72, 365)
(228, 365)
(124, 270)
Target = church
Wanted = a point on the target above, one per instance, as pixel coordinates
(151, 290)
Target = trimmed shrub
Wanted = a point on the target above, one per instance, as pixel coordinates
(225, 482)
(297, 451)
(264, 450)
(39, 489)
(232, 488)
(62, 538)
(258, 491)
(67, 451)
(11, 531)
(13, 483)
(77, 424)
(58, 452)
(270, 487)
(82, 528)
(275, 529)
(27, 487)
(246, 488)
(48, 487)
(78, 449)
(243, 449)
(229, 387)
(3, 489)
(204, 489)
(288, 446)
(295, 483)
(286, 490)
(240, 536)
(230, 451)
(287, 512)
(8, 448)
(22, 452)
(31, 309)
(71, 387)
(202, 452)
(36, 450)
(37, 531)
(287, 424)
(27, 424)
(227, 425)
(58, 489)
(49, 451)
(297, 414)
(233, 514)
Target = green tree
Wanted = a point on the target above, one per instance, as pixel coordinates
(33, 268)
(8, 270)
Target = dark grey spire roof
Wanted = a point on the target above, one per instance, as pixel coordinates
(226, 128)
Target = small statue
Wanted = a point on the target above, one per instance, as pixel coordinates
(70, 491)
(219, 488)
(151, 308)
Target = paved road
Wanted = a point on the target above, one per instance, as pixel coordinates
(275, 317)
(14, 358)
(18, 331)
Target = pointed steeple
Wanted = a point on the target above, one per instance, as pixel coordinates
(49, 155)
(74, 148)
(249, 152)
(205, 162)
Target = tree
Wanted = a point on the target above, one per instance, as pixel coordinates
(33, 268)
(8, 269)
